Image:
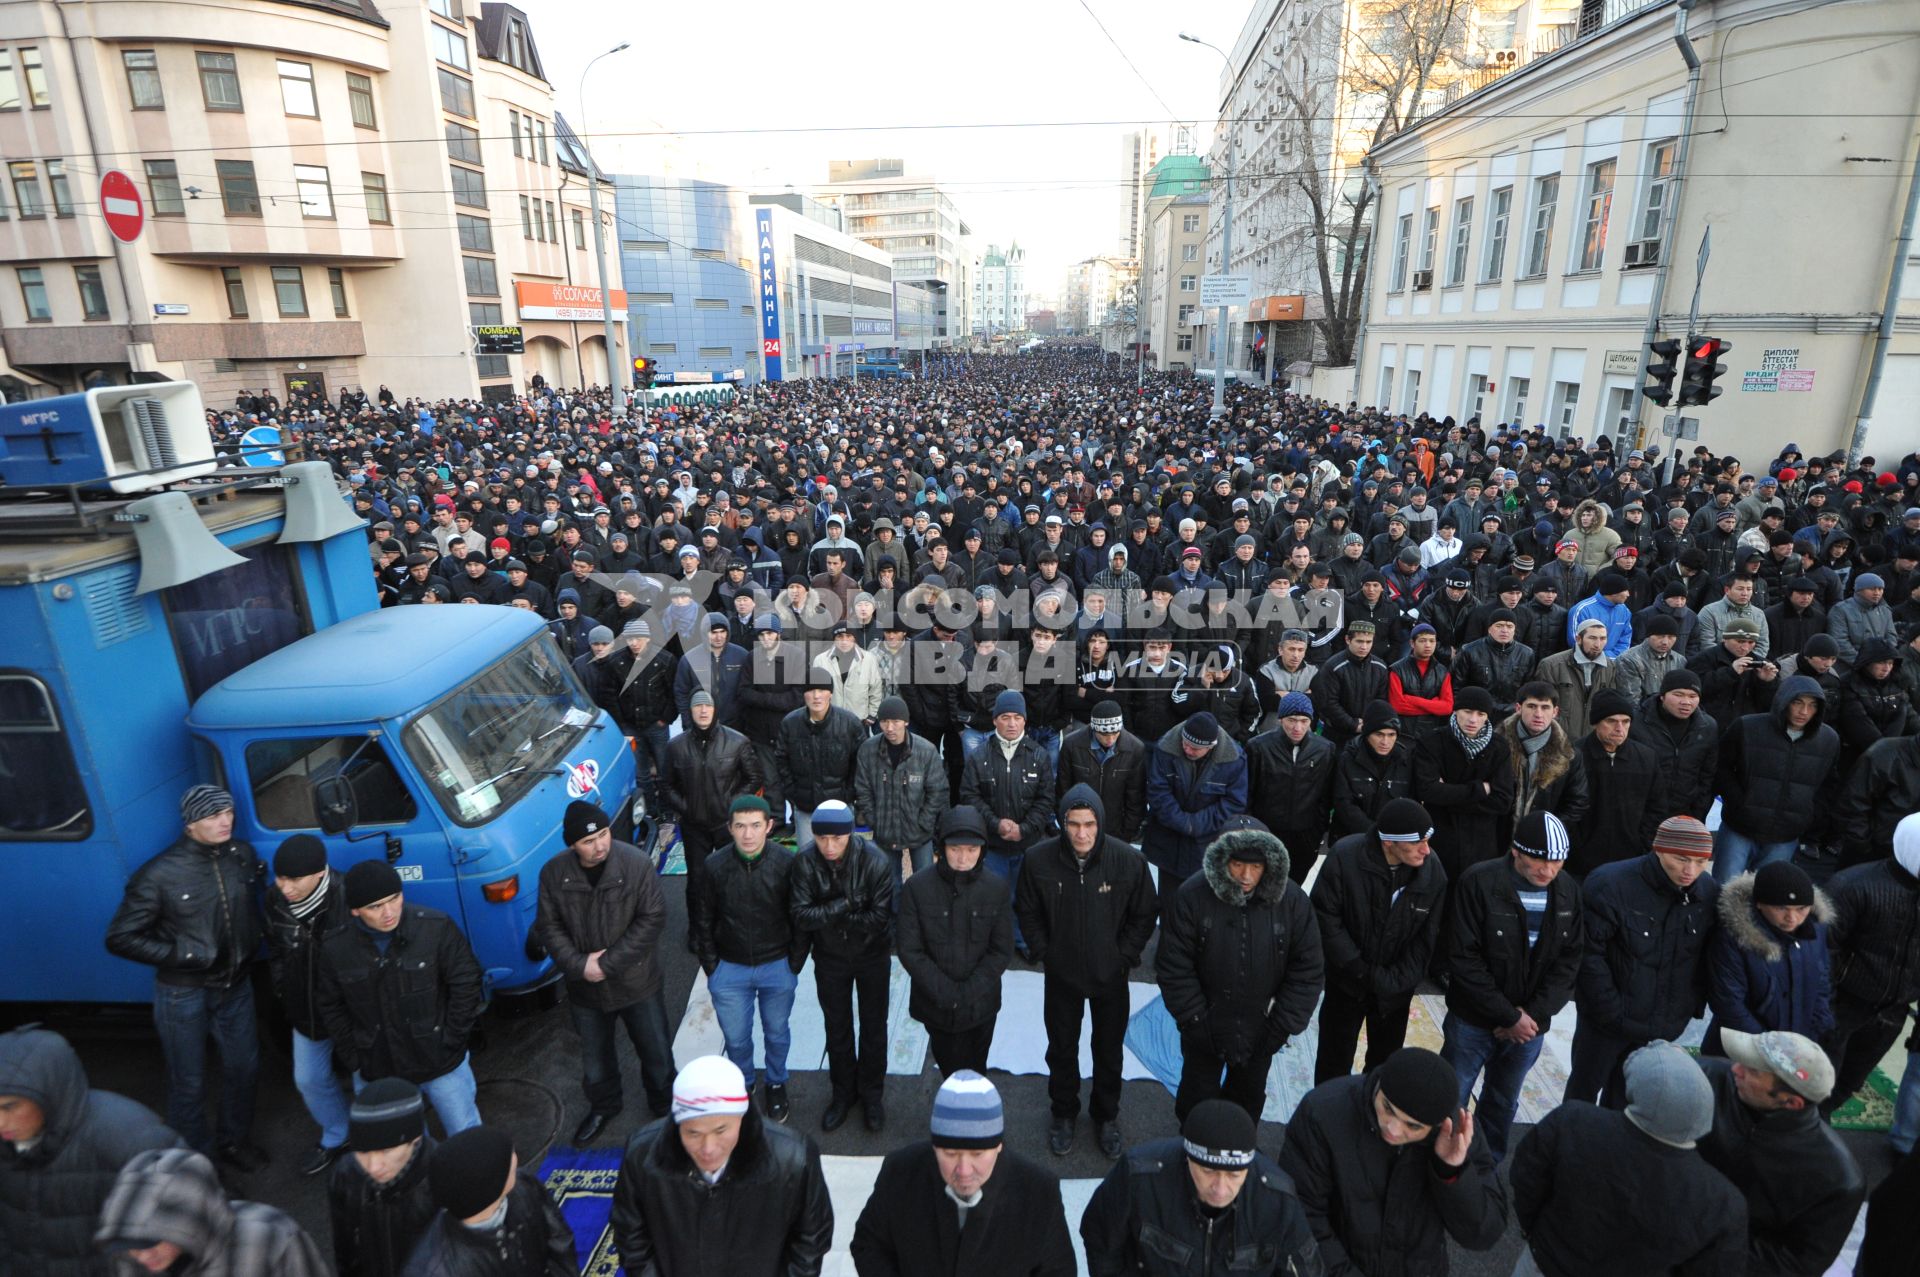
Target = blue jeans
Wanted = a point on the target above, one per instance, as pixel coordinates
(185, 1017)
(802, 828)
(735, 990)
(971, 740)
(1470, 1050)
(313, 1076)
(646, 1025)
(1006, 864)
(922, 857)
(451, 1094)
(1050, 741)
(649, 757)
(1906, 1106)
(1734, 853)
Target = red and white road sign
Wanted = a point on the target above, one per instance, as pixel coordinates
(120, 204)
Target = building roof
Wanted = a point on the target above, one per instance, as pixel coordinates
(572, 152)
(1178, 175)
(346, 674)
(491, 38)
(363, 10)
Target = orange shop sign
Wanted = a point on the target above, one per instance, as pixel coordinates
(1279, 309)
(565, 301)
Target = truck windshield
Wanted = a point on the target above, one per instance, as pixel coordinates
(483, 746)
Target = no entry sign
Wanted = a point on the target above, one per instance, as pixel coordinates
(120, 204)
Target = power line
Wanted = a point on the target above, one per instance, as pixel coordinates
(1124, 58)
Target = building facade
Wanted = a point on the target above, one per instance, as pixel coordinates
(1530, 227)
(1094, 286)
(1000, 291)
(328, 193)
(686, 250)
(913, 221)
(831, 293)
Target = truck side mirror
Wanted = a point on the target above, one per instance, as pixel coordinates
(334, 805)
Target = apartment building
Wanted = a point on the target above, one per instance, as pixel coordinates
(917, 224)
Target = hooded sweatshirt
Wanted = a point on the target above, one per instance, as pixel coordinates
(51, 1191)
(173, 1195)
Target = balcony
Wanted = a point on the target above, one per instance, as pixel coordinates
(1595, 17)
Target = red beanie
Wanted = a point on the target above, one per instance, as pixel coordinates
(1788, 474)
(500, 543)
(1854, 486)
(1887, 480)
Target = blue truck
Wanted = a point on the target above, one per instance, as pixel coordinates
(224, 627)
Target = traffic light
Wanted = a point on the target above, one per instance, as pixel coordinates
(643, 372)
(1703, 367)
(1660, 375)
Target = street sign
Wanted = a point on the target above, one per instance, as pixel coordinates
(1225, 290)
(171, 308)
(498, 339)
(263, 438)
(120, 205)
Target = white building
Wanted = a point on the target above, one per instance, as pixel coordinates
(1000, 291)
(1094, 287)
(910, 218)
(832, 292)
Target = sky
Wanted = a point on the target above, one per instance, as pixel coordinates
(1017, 107)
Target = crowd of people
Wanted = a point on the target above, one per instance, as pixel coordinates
(1322, 706)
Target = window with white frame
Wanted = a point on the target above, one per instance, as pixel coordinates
(1457, 248)
(1659, 188)
(1593, 227)
(1189, 223)
(1429, 237)
(1189, 283)
(1518, 388)
(296, 89)
(1402, 245)
(315, 189)
(449, 47)
(1476, 394)
(1566, 404)
(1499, 214)
(1189, 252)
(1546, 196)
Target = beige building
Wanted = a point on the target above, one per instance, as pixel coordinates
(912, 219)
(1529, 225)
(334, 193)
(1175, 239)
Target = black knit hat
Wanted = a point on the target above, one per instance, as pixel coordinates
(1420, 1084)
(1376, 715)
(1608, 703)
(583, 820)
(370, 881)
(1781, 882)
(299, 857)
(1403, 820)
(468, 1172)
(894, 707)
(1221, 1135)
(387, 1113)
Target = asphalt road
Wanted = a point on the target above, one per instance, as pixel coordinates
(529, 1082)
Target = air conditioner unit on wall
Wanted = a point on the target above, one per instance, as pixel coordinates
(1642, 253)
(1422, 281)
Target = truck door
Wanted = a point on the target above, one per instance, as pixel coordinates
(390, 821)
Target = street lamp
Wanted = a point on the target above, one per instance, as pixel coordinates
(599, 240)
(1226, 244)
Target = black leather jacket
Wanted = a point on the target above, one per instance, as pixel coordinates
(844, 910)
(738, 910)
(1875, 939)
(376, 1226)
(1500, 668)
(405, 1013)
(706, 771)
(533, 1241)
(296, 951)
(192, 911)
(816, 759)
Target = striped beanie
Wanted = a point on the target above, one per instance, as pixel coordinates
(203, 801)
(711, 1086)
(1541, 835)
(1684, 836)
(1106, 717)
(967, 1113)
(1296, 703)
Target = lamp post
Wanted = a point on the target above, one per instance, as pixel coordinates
(1226, 243)
(600, 242)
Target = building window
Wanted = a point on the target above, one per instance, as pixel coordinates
(33, 291)
(314, 186)
(449, 47)
(35, 77)
(238, 190)
(9, 83)
(1499, 212)
(57, 185)
(469, 187)
(553, 224)
(448, 9)
(1476, 394)
(1653, 205)
(1593, 232)
(1185, 316)
(1519, 388)
(236, 289)
(1462, 232)
(463, 143)
(93, 292)
(143, 79)
(540, 138)
(1183, 342)
(25, 175)
(1402, 246)
(476, 233)
(1429, 239)
(513, 127)
(296, 89)
(1190, 252)
(1568, 393)
(360, 99)
(526, 218)
(1546, 195)
(456, 93)
(1189, 283)
(579, 229)
(219, 81)
(290, 292)
(1190, 223)
(518, 45)
(482, 278)
(337, 286)
(373, 186)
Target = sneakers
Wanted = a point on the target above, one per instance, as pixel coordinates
(317, 1159)
(1107, 1134)
(777, 1106)
(1060, 1136)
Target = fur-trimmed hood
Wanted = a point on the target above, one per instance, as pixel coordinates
(1749, 930)
(1273, 883)
(1555, 759)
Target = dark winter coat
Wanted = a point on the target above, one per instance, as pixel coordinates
(1558, 783)
(1768, 782)
(1893, 1226)
(377, 1226)
(1802, 1186)
(1448, 782)
(1087, 921)
(1188, 802)
(1882, 788)
(1378, 945)
(721, 676)
(1597, 1197)
(816, 759)
(769, 1212)
(1240, 972)
(955, 939)
(1875, 940)
(1020, 789)
(1867, 711)
(532, 1241)
(1144, 1219)
(1343, 689)
(405, 1013)
(1364, 782)
(1626, 801)
(738, 911)
(772, 687)
(901, 804)
(623, 914)
(1495, 974)
(1381, 1210)
(193, 912)
(844, 910)
(51, 1194)
(1289, 786)
(294, 945)
(1121, 781)
(706, 771)
(1644, 975)
(1759, 979)
(174, 1195)
(1234, 704)
(1688, 750)
(909, 1227)
(642, 688)
(1499, 668)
